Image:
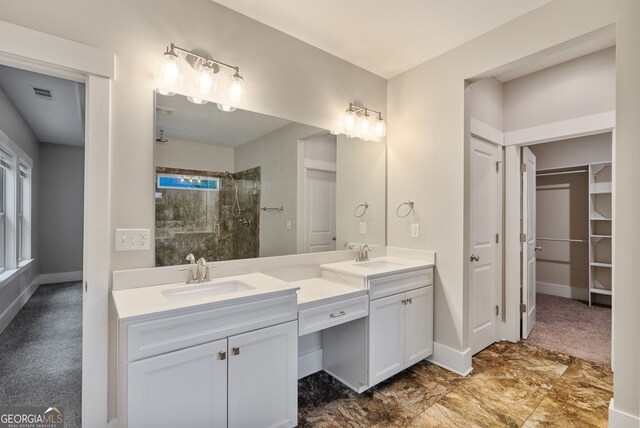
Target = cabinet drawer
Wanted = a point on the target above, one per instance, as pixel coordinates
(332, 314)
(398, 283)
(170, 333)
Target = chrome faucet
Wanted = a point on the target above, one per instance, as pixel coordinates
(203, 270)
(191, 276)
(363, 253)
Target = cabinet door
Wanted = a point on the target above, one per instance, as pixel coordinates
(418, 321)
(186, 388)
(386, 338)
(263, 377)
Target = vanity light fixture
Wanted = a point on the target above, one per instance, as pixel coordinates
(170, 74)
(358, 122)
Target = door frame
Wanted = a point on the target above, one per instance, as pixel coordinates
(35, 51)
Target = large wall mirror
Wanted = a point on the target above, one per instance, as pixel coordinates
(239, 184)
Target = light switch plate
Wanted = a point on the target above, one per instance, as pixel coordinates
(363, 228)
(415, 230)
(132, 239)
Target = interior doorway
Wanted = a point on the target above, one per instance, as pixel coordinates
(573, 216)
(565, 102)
(54, 56)
(42, 190)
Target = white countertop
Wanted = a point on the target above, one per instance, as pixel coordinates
(320, 291)
(145, 301)
(377, 266)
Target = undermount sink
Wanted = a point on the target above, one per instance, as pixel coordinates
(378, 264)
(197, 291)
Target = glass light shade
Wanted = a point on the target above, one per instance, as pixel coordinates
(349, 120)
(165, 92)
(235, 90)
(380, 128)
(169, 72)
(197, 100)
(226, 108)
(205, 81)
(365, 125)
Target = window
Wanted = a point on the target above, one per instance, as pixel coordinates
(187, 182)
(15, 207)
(24, 210)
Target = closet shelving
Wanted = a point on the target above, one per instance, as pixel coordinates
(600, 230)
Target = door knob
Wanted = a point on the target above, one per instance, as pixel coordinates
(475, 258)
(538, 248)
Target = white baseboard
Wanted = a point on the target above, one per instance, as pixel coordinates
(309, 363)
(451, 359)
(619, 419)
(560, 290)
(54, 278)
(18, 303)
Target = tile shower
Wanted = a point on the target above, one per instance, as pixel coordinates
(218, 224)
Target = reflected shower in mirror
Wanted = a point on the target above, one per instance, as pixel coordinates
(240, 184)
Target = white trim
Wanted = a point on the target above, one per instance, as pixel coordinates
(44, 48)
(486, 132)
(9, 275)
(451, 359)
(511, 325)
(309, 363)
(55, 278)
(36, 51)
(562, 290)
(620, 419)
(320, 165)
(580, 126)
(18, 303)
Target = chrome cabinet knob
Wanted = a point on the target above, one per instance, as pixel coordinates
(475, 258)
(538, 248)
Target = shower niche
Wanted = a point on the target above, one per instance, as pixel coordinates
(209, 213)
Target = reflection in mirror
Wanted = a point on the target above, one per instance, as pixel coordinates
(236, 185)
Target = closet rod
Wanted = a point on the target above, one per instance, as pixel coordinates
(561, 240)
(540, 174)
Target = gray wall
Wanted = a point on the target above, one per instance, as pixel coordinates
(61, 208)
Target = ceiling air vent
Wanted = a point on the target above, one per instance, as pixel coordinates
(45, 94)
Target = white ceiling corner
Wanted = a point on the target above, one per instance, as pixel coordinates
(386, 37)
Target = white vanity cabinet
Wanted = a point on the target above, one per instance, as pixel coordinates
(182, 388)
(232, 365)
(400, 325)
(248, 380)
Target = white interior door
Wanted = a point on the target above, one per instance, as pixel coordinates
(484, 176)
(528, 262)
(321, 211)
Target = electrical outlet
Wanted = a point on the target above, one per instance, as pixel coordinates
(363, 228)
(288, 224)
(132, 239)
(415, 230)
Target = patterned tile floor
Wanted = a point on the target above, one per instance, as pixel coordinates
(512, 385)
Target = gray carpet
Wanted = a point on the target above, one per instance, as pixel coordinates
(41, 352)
(572, 327)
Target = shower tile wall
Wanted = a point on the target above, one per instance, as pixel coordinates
(186, 219)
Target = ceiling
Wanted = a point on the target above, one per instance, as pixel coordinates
(58, 119)
(183, 120)
(385, 37)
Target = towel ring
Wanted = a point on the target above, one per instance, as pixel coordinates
(409, 205)
(362, 208)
